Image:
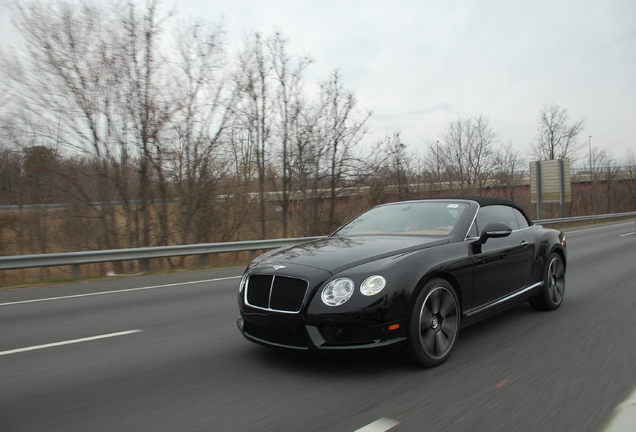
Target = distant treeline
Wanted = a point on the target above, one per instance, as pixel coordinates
(182, 139)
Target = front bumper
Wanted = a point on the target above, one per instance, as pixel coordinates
(316, 334)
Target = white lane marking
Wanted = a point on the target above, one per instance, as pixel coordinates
(597, 228)
(624, 416)
(382, 425)
(628, 234)
(118, 291)
(68, 342)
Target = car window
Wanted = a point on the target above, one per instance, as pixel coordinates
(473, 232)
(410, 218)
(521, 219)
(496, 213)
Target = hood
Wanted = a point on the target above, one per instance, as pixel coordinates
(335, 254)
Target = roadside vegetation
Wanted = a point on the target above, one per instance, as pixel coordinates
(122, 126)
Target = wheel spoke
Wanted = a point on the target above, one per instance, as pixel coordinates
(435, 301)
(448, 305)
(556, 292)
(428, 341)
(426, 319)
(552, 291)
(442, 344)
(449, 325)
(556, 283)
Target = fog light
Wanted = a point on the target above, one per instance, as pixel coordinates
(240, 322)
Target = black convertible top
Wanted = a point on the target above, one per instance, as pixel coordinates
(486, 201)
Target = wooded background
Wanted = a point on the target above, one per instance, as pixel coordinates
(121, 126)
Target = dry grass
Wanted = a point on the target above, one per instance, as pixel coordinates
(57, 231)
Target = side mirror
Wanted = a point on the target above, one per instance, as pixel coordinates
(494, 230)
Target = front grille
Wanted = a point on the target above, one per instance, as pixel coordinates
(346, 335)
(276, 293)
(274, 336)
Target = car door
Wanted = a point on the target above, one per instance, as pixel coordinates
(503, 265)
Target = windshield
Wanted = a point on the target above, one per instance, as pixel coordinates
(407, 218)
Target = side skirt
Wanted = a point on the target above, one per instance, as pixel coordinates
(503, 300)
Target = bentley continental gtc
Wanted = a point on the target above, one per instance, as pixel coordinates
(403, 277)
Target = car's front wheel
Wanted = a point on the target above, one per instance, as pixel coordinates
(551, 296)
(434, 324)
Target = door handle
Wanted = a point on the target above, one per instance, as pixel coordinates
(525, 244)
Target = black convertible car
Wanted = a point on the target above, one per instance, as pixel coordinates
(403, 276)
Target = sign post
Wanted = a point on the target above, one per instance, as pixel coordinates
(550, 182)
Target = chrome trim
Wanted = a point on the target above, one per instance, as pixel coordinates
(499, 232)
(504, 299)
(467, 237)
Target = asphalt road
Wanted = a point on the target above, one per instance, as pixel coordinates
(162, 353)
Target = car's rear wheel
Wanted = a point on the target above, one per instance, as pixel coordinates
(434, 324)
(551, 296)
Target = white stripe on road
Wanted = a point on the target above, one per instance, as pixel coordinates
(624, 417)
(382, 425)
(68, 342)
(628, 234)
(118, 291)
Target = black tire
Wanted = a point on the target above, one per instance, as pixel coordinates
(551, 296)
(433, 325)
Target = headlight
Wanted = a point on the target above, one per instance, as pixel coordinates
(372, 285)
(337, 291)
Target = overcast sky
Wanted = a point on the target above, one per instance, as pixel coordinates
(417, 65)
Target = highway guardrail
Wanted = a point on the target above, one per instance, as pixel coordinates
(143, 254)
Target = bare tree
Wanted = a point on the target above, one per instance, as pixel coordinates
(307, 157)
(69, 73)
(197, 154)
(602, 173)
(288, 74)
(255, 112)
(467, 153)
(150, 105)
(97, 73)
(10, 176)
(556, 138)
(509, 170)
(629, 179)
(343, 127)
(390, 169)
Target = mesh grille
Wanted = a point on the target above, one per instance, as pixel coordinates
(277, 293)
(346, 335)
(278, 337)
(258, 289)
